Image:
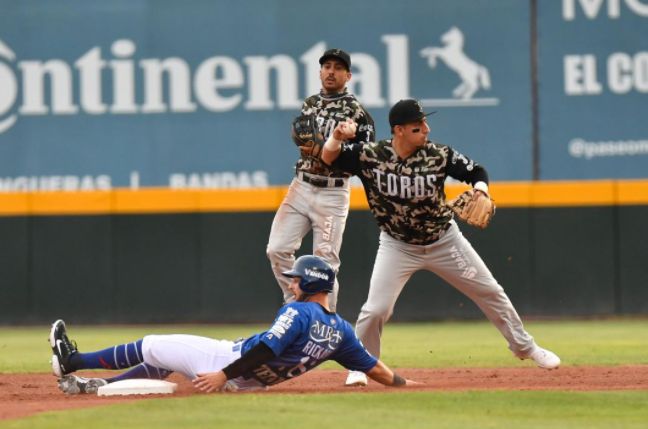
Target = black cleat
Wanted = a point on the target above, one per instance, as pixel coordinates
(62, 349)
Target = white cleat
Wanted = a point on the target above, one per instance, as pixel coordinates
(544, 358)
(356, 378)
(56, 367)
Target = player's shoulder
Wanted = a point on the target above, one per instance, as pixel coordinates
(312, 99)
(352, 101)
(294, 314)
(310, 104)
(295, 304)
(291, 309)
(381, 147)
(302, 307)
(375, 145)
(374, 152)
(345, 325)
(437, 147)
(436, 144)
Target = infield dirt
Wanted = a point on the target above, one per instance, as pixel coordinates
(27, 394)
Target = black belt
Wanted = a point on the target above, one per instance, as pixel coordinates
(322, 182)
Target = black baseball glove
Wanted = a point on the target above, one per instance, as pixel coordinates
(307, 136)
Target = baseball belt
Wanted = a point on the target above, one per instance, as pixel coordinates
(321, 181)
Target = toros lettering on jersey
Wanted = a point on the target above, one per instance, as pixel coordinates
(405, 187)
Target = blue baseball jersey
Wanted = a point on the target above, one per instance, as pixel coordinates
(303, 336)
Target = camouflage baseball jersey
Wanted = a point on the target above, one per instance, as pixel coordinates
(407, 197)
(330, 110)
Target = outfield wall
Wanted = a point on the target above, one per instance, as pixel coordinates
(559, 249)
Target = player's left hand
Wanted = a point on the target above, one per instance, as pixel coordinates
(475, 207)
(210, 381)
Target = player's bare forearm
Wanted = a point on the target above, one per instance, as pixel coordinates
(210, 382)
(383, 375)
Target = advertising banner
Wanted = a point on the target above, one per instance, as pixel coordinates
(593, 102)
(201, 94)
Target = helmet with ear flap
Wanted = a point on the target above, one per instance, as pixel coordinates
(315, 274)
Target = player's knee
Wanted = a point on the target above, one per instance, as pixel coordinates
(331, 258)
(491, 293)
(379, 313)
(491, 289)
(277, 254)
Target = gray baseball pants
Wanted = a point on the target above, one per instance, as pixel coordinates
(453, 259)
(306, 207)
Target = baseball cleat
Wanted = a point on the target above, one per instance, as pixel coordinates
(544, 358)
(62, 348)
(356, 378)
(73, 385)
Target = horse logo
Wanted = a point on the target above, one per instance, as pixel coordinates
(473, 75)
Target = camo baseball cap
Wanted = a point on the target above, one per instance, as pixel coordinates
(338, 54)
(406, 111)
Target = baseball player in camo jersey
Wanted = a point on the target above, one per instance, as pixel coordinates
(404, 182)
(318, 197)
(304, 334)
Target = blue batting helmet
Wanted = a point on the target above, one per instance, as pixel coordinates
(315, 274)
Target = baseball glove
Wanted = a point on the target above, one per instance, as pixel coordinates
(307, 135)
(473, 207)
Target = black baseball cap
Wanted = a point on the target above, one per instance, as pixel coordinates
(338, 54)
(406, 111)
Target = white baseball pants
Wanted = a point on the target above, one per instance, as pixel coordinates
(306, 207)
(191, 355)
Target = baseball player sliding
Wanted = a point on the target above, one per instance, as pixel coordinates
(304, 334)
(404, 182)
(318, 197)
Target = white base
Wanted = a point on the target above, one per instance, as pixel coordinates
(137, 386)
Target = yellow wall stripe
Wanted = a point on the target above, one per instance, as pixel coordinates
(164, 200)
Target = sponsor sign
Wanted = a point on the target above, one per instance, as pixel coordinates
(138, 95)
(593, 74)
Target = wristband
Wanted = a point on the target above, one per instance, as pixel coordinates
(333, 144)
(398, 381)
(481, 186)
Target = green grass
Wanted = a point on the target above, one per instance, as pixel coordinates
(401, 410)
(479, 344)
(447, 344)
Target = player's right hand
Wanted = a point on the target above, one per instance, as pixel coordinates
(210, 381)
(345, 130)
